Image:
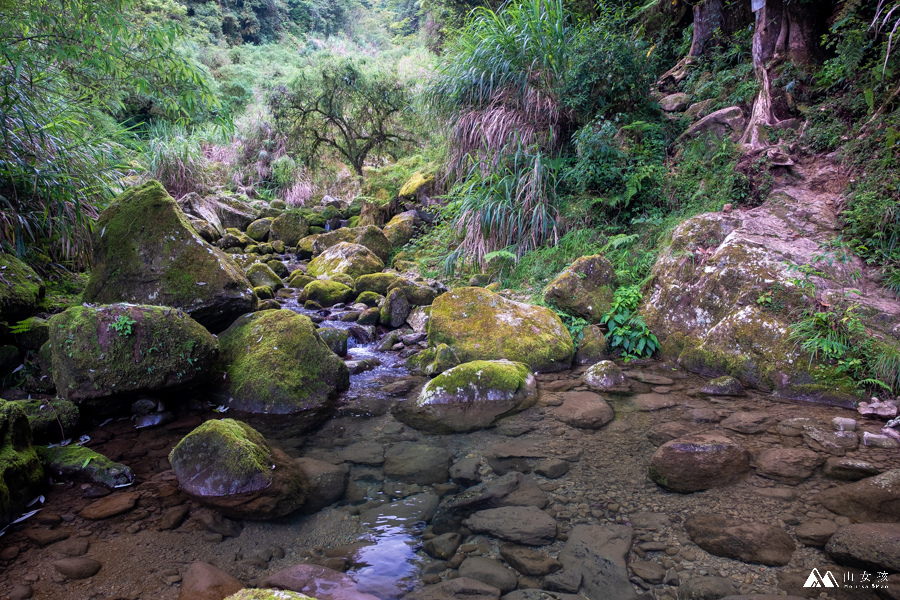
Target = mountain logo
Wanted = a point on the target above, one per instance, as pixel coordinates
(816, 580)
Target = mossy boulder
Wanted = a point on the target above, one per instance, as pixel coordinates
(262, 274)
(21, 474)
(415, 184)
(290, 227)
(350, 259)
(469, 397)
(335, 339)
(585, 289)
(369, 299)
(146, 252)
(298, 279)
(591, 346)
(125, 349)
(371, 237)
(258, 230)
(21, 290)
(32, 333)
(278, 268)
(276, 363)
(394, 309)
(369, 316)
(419, 293)
(376, 282)
(257, 594)
(77, 463)
(480, 325)
(51, 420)
(263, 292)
(605, 376)
(328, 293)
(402, 228)
(723, 386)
(228, 465)
(221, 211)
(433, 361)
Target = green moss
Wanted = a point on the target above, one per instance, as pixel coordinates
(345, 279)
(350, 259)
(418, 294)
(258, 230)
(369, 298)
(21, 474)
(328, 293)
(264, 292)
(268, 595)
(222, 457)
(416, 182)
(353, 221)
(335, 339)
(261, 274)
(376, 282)
(77, 463)
(371, 237)
(50, 420)
(278, 268)
(21, 291)
(298, 279)
(585, 289)
(290, 227)
(433, 361)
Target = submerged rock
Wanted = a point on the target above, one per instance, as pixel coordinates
(203, 581)
(599, 554)
(874, 546)
(145, 251)
(433, 361)
(469, 397)
(229, 466)
(756, 543)
(275, 363)
(316, 581)
(104, 351)
(521, 524)
(698, 462)
(585, 289)
(480, 325)
(21, 474)
(874, 499)
(723, 386)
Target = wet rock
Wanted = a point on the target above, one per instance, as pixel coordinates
(552, 468)
(20, 591)
(371, 237)
(289, 227)
(599, 553)
(836, 443)
(512, 489)
(325, 292)
(22, 289)
(71, 547)
(536, 594)
(465, 472)
(480, 325)
(413, 509)
(787, 465)
(335, 339)
(147, 252)
(394, 309)
(698, 462)
(867, 546)
(417, 463)
(528, 561)
(653, 402)
(878, 409)
(706, 588)
(649, 571)
(418, 319)
(443, 546)
(849, 469)
(873, 500)
(723, 386)
(173, 518)
(748, 422)
(110, 506)
(843, 424)
(605, 376)
(77, 463)
(418, 293)
(591, 347)
(317, 582)
(376, 282)
(94, 350)
(400, 229)
(880, 441)
(45, 537)
(216, 524)
(489, 571)
(433, 361)
(229, 466)
(275, 363)
(364, 453)
(262, 275)
(50, 420)
(815, 532)
(584, 410)
(756, 543)
(77, 568)
(794, 427)
(568, 581)
(327, 483)
(21, 474)
(668, 431)
(525, 525)
(469, 397)
(203, 581)
(456, 589)
(347, 259)
(584, 289)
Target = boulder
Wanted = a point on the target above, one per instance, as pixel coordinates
(51, 420)
(584, 410)
(145, 251)
(376, 282)
(815, 532)
(591, 346)
(328, 293)
(402, 228)
(202, 581)
(480, 325)
(674, 102)
(433, 361)
(327, 483)
(369, 236)
(528, 561)
(723, 386)
(77, 463)
(871, 500)
(350, 259)
(335, 339)
(456, 589)
(469, 397)
(275, 363)
(419, 293)
(724, 122)
(849, 469)
(417, 463)
(229, 466)
(787, 465)
(261, 274)
(21, 291)
(527, 525)
(124, 349)
(394, 309)
(585, 289)
(317, 582)
(290, 227)
(599, 553)
(874, 546)
(258, 230)
(605, 376)
(442, 546)
(489, 571)
(21, 474)
(221, 212)
(756, 543)
(698, 462)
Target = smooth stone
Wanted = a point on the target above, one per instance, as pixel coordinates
(528, 561)
(787, 465)
(317, 582)
(443, 546)
(725, 536)
(489, 571)
(698, 462)
(522, 524)
(71, 547)
(417, 463)
(653, 402)
(327, 483)
(584, 410)
(849, 469)
(649, 571)
(454, 589)
(44, 537)
(815, 532)
(110, 506)
(568, 581)
(706, 588)
(871, 500)
(748, 422)
(203, 581)
(599, 553)
(874, 546)
(723, 386)
(173, 517)
(77, 568)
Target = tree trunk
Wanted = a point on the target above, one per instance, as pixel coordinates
(708, 21)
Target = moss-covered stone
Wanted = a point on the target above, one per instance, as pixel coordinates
(585, 289)
(21, 474)
(290, 227)
(416, 182)
(350, 259)
(21, 289)
(480, 325)
(405, 266)
(256, 594)
(298, 279)
(77, 463)
(278, 246)
(270, 304)
(32, 333)
(234, 239)
(327, 293)
(376, 282)
(369, 316)
(369, 298)
(418, 293)
(723, 386)
(118, 349)
(469, 397)
(591, 347)
(394, 309)
(605, 376)
(264, 292)
(51, 420)
(402, 228)
(265, 248)
(261, 274)
(276, 363)
(345, 279)
(335, 339)
(371, 237)
(145, 251)
(258, 230)
(278, 268)
(433, 361)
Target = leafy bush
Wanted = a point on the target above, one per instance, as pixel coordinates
(627, 330)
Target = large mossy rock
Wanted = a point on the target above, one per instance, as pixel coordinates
(77, 463)
(146, 252)
(480, 325)
(469, 397)
(21, 474)
(20, 289)
(369, 236)
(328, 293)
(402, 228)
(290, 227)
(276, 363)
(228, 465)
(126, 349)
(261, 274)
(376, 282)
(585, 289)
(51, 420)
(345, 258)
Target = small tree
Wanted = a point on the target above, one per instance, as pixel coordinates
(342, 107)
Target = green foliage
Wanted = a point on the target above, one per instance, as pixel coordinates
(122, 325)
(627, 330)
